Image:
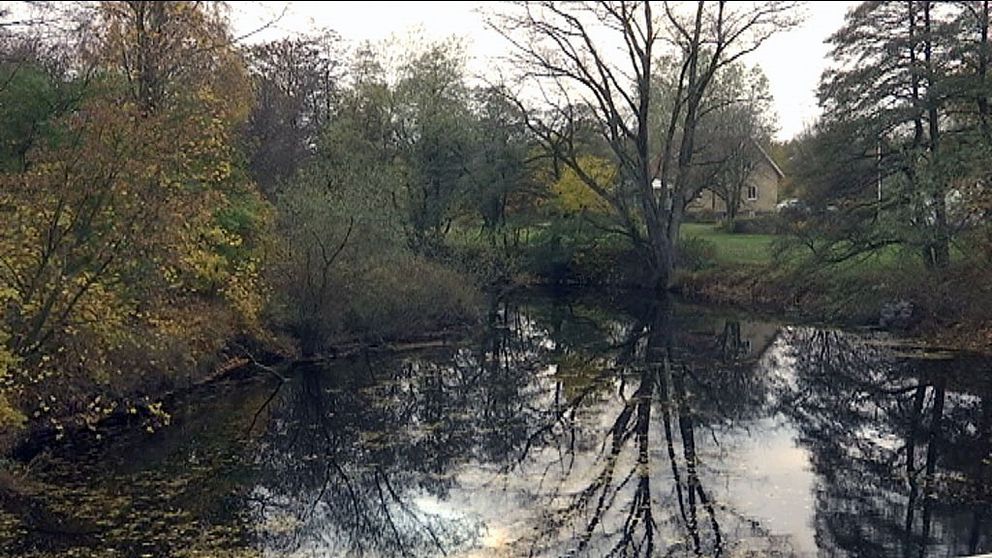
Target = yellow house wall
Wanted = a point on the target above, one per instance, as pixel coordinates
(764, 177)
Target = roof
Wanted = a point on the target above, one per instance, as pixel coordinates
(769, 159)
(655, 164)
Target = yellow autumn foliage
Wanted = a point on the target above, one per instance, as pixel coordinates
(129, 252)
(572, 193)
(9, 415)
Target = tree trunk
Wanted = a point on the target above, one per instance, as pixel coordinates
(671, 241)
(939, 252)
(662, 259)
(940, 239)
(731, 219)
(666, 262)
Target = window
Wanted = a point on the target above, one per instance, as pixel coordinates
(752, 192)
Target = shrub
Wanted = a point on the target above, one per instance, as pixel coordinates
(550, 257)
(406, 296)
(489, 264)
(695, 253)
(381, 296)
(759, 224)
(701, 216)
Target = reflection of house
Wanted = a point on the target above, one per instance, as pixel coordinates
(758, 336)
(759, 195)
(747, 340)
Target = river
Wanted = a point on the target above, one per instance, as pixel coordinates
(569, 426)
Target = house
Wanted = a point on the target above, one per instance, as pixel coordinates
(760, 195)
(738, 341)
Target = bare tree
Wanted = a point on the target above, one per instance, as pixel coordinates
(296, 83)
(738, 121)
(594, 64)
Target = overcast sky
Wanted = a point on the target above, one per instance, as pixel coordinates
(792, 60)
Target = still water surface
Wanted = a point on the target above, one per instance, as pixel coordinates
(572, 426)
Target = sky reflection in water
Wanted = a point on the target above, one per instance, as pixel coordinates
(573, 426)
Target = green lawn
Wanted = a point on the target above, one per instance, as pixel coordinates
(755, 249)
(747, 249)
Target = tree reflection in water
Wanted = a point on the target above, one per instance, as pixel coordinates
(900, 446)
(642, 492)
(571, 428)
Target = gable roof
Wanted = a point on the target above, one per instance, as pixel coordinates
(768, 158)
(656, 162)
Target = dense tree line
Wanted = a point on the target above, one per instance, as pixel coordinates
(173, 195)
(900, 156)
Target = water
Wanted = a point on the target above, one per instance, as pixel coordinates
(571, 427)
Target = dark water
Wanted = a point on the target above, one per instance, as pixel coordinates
(571, 427)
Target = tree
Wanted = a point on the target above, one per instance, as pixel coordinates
(894, 140)
(295, 82)
(360, 219)
(307, 280)
(131, 237)
(735, 126)
(500, 171)
(972, 106)
(37, 87)
(433, 127)
(161, 48)
(569, 53)
(337, 208)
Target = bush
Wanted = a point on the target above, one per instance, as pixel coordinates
(376, 297)
(550, 256)
(406, 296)
(612, 261)
(572, 252)
(696, 253)
(759, 224)
(701, 216)
(489, 264)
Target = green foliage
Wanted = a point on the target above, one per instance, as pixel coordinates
(490, 263)
(905, 133)
(341, 275)
(552, 252)
(572, 251)
(406, 296)
(435, 139)
(359, 222)
(767, 224)
(501, 182)
(28, 101)
(696, 253)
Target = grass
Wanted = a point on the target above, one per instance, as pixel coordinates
(731, 248)
(740, 249)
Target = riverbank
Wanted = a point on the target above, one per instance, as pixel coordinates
(253, 467)
(888, 290)
(948, 311)
(951, 310)
(272, 363)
